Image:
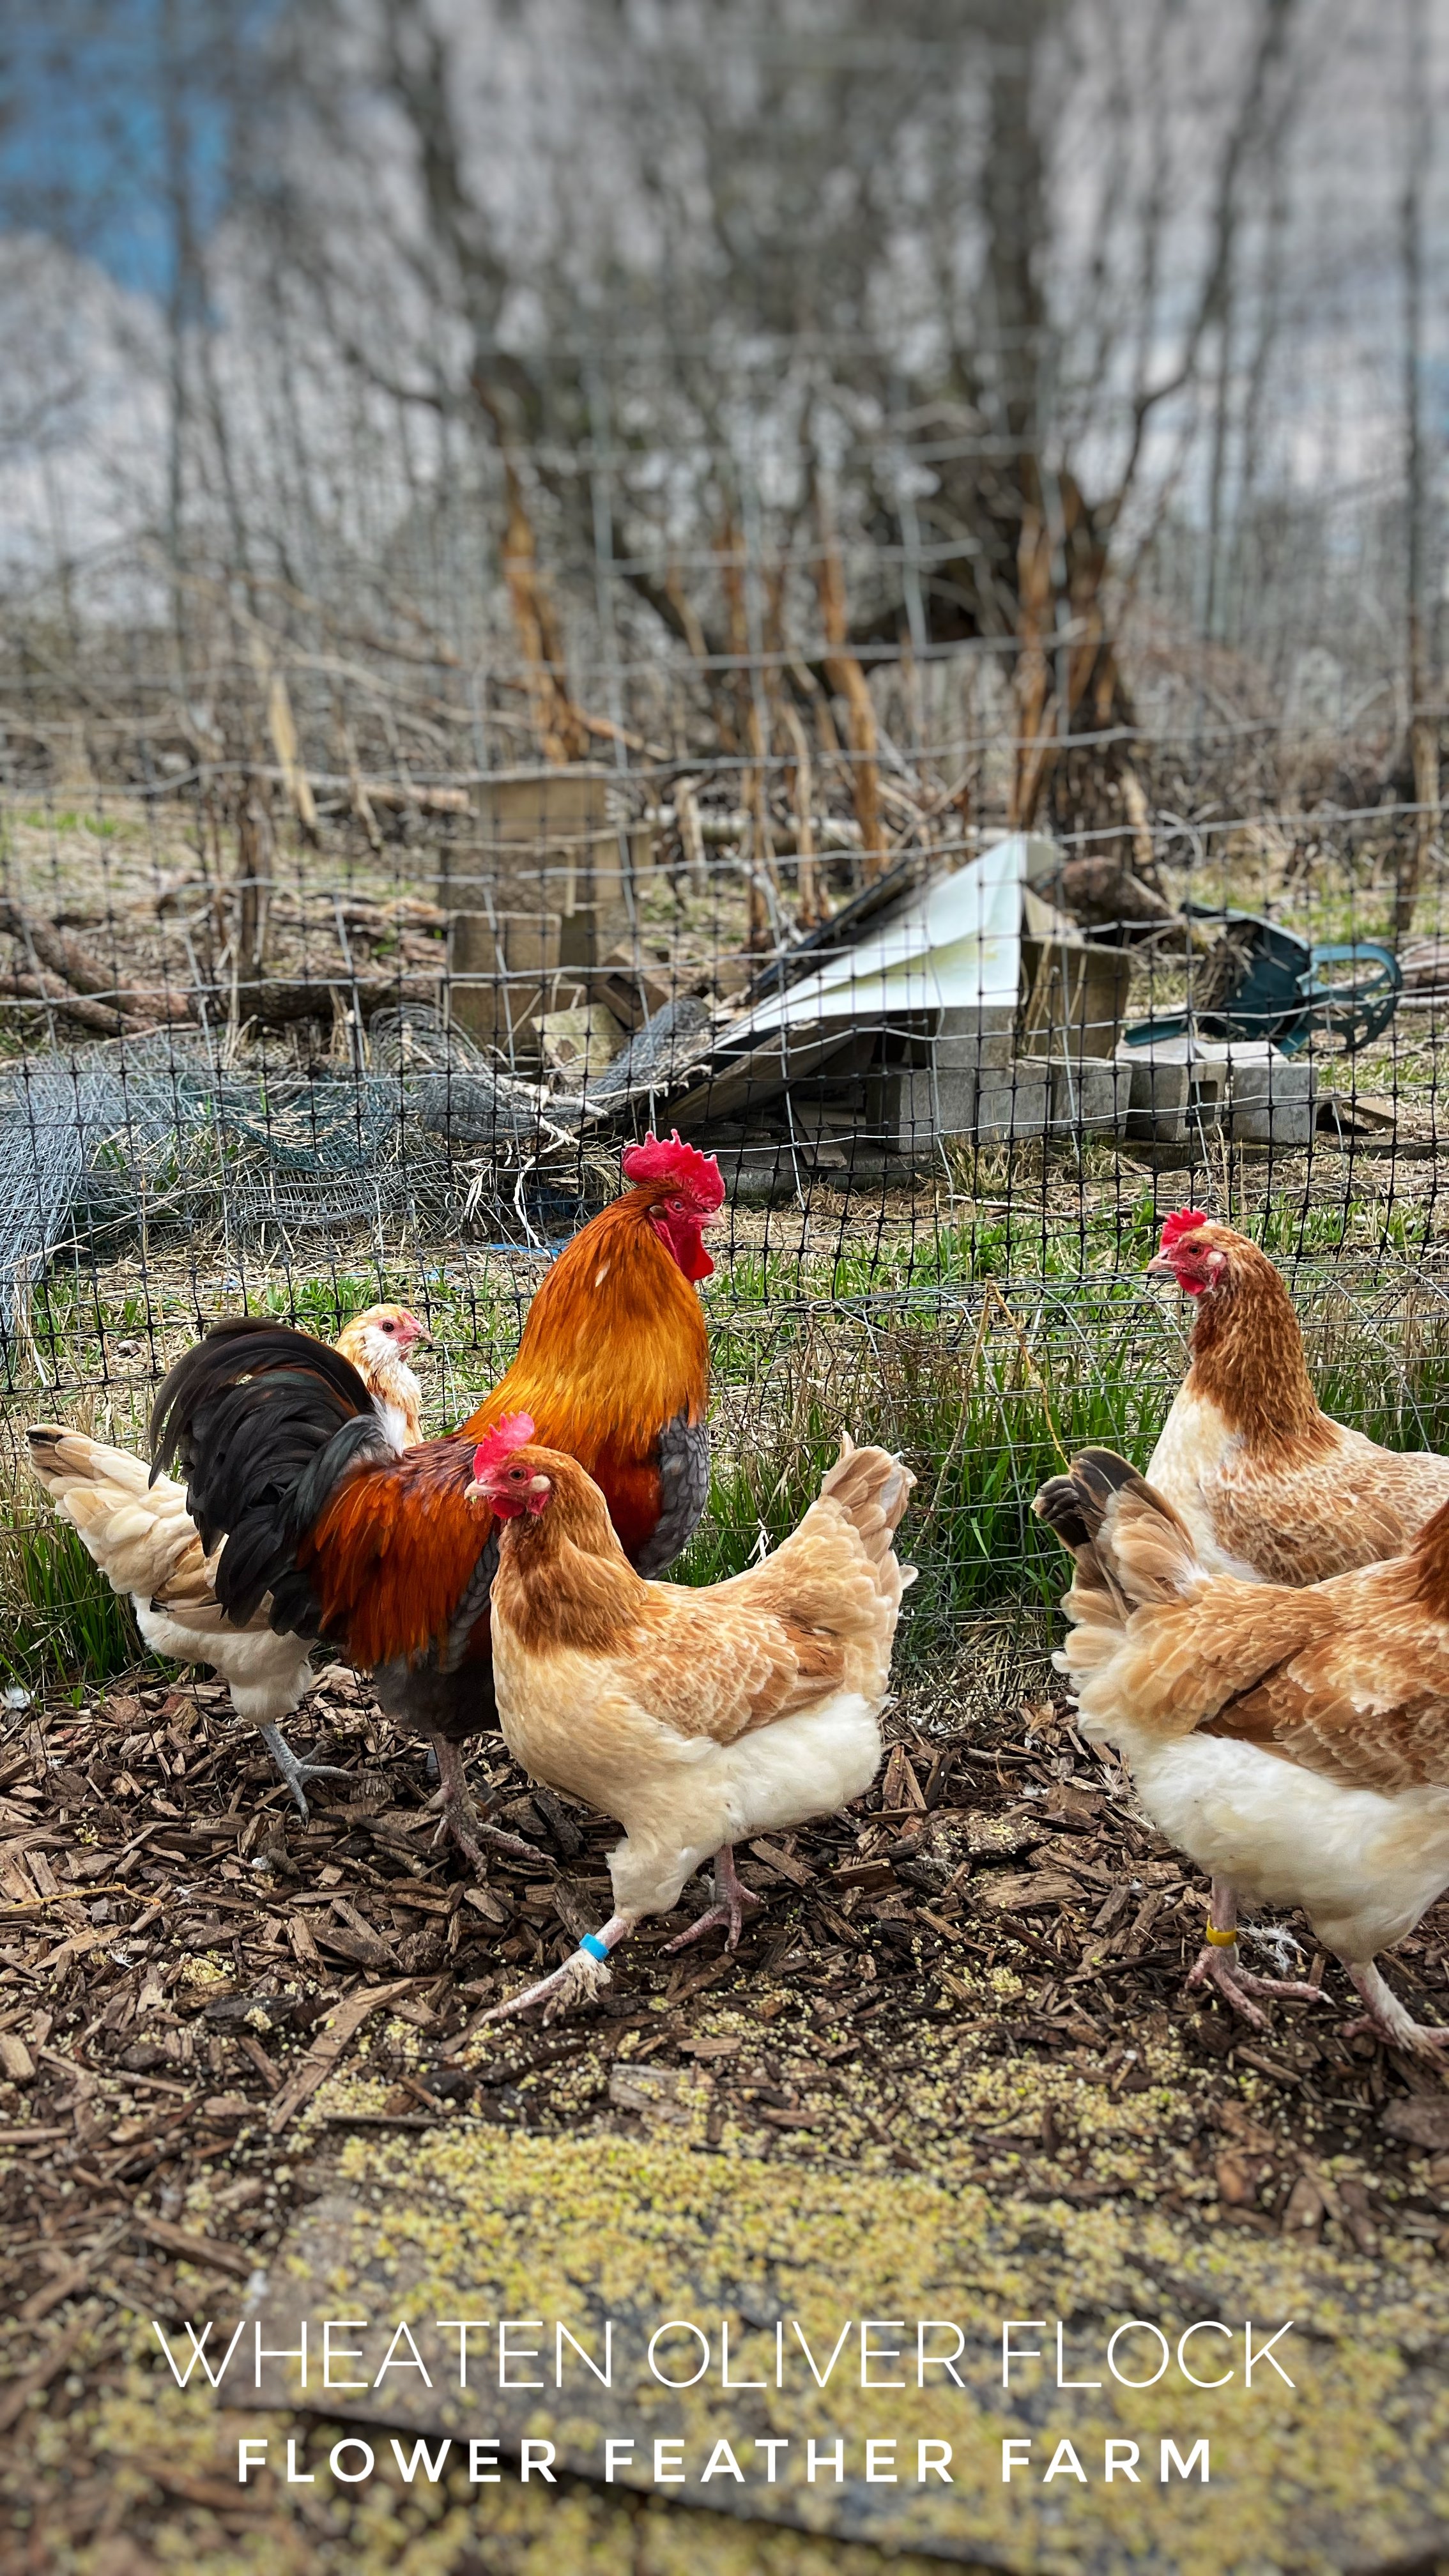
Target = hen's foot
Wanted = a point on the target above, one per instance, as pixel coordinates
(470, 1833)
(295, 1769)
(1218, 1965)
(731, 1898)
(467, 1827)
(582, 1976)
(1388, 2019)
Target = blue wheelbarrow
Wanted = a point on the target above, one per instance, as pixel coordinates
(1272, 984)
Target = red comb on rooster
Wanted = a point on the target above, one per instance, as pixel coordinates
(678, 1166)
(688, 1193)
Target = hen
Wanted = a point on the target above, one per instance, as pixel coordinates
(693, 1716)
(1294, 1741)
(1270, 1488)
(286, 1458)
(145, 1542)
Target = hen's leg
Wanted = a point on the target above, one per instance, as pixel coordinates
(464, 1823)
(1387, 2018)
(731, 1896)
(1218, 1964)
(584, 1974)
(295, 1768)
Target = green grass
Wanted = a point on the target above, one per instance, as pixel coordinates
(981, 1374)
(99, 826)
(986, 1403)
(59, 1619)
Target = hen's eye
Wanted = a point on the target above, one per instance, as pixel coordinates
(389, 1328)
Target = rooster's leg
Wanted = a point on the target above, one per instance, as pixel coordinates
(295, 1768)
(584, 1974)
(1218, 1965)
(464, 1823)
(731, 1897)
(1387, 2019)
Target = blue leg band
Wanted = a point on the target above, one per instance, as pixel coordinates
(594, 1946)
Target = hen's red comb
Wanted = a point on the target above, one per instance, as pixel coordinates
(511, 1433)
(669, 1159)
(1182, 1221)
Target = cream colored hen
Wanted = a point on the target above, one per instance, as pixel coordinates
(695, 1716)
(142, 1537)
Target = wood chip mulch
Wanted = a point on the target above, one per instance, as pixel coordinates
(175, 1944)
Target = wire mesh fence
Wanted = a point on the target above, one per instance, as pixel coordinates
(308, 1013)
(871, 594)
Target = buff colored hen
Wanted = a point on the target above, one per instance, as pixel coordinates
(1271, 1488)
(1294, 1741)
(695, 1716)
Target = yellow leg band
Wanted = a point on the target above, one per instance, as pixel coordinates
(1221, 1940)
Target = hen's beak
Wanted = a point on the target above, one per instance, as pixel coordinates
(1160, 1267)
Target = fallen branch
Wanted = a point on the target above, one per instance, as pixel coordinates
(190, 2247)
(96, 1016)
(394, 799)
(70, 961)
(278, 1002)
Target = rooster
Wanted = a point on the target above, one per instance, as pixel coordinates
(1295, 1742)
(144, 1540)
(286, 1458)
(693, 1716)
(1270, 1488)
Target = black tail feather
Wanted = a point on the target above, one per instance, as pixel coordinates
(263, 1422)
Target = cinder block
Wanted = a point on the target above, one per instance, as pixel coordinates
(1013, 1104)
(975, 1041)
(976, 1051)
(909, 1111)
(1091, 1096)
(1262, 1097)
(1272, 1098)
(901, 1111)
(1170, 1098)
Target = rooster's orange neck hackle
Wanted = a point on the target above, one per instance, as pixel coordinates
(617, 1301)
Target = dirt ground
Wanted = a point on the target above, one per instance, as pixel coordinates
(972, 1983)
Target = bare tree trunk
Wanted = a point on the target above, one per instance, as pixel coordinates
(1423, 688)
(562, 733)
(180, 303)
(254, 881)
(813, 907)
(847, 678)
(1036, 706)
